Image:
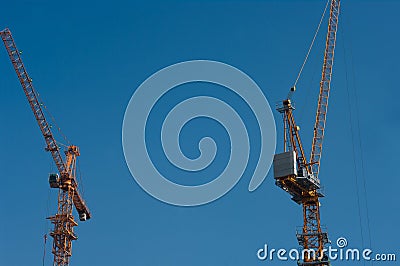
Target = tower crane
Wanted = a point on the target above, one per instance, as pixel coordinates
(65, 180)
(292, 172)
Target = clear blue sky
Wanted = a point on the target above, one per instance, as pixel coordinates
(86, 59)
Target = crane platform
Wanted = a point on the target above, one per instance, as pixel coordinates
(297, 182)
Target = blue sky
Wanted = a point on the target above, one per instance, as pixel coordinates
(86, 59)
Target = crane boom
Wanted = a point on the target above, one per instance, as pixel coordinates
(68, 194)
(26, 83)
(325, 85)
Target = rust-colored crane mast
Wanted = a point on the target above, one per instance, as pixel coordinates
(293, 173)
(68, 193)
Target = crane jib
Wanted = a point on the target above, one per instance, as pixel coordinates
(325, 85)
(26, 83)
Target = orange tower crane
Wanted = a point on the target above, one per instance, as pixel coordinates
(293, 173)
(65, 181)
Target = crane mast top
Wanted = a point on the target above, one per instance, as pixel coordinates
(305, 173)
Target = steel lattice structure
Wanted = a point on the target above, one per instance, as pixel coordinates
(292, 171)
(325, 86)
(65, 181)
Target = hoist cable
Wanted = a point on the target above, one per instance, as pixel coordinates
(312, 44)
